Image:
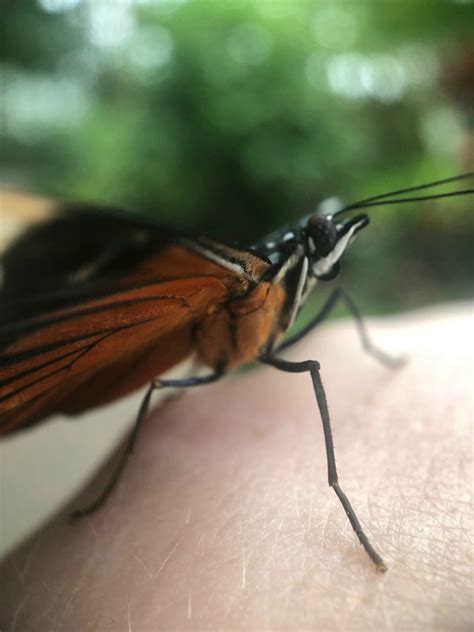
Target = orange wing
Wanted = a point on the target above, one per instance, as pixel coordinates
(72, 359)
(94, 305)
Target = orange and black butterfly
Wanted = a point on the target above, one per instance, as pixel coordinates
(94, 306)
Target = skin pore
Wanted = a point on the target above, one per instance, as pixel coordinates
(224, 520)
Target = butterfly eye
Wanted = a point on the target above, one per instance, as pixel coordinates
(322, 235)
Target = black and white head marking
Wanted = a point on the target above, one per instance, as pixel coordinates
(306, 254)
(327, 242)
(290, 263)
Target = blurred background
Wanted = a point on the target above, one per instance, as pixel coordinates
(233, 118)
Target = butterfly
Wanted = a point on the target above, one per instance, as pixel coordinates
(96, 305)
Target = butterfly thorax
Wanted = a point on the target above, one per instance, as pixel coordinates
(243, 329)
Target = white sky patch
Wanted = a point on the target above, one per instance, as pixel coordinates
(330, 205)
(33, 104)
(385, 79)
(58, 6)
(420, 63)
(358, 76)
(151, 48)
(110, 24)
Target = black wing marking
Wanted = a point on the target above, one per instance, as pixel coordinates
(76, 249)
(78, 253)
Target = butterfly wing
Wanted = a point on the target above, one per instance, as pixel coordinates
(94, 306)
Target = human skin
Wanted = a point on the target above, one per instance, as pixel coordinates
(224, 520)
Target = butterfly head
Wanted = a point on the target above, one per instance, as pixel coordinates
(326, 241)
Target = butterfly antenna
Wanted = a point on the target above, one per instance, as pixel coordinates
(386, 199)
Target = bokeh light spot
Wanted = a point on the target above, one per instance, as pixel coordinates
(110, 24)
(58, 6)
(442, 130)
(357, 76)
(33, 105)
(151, 48)
(249, 44)
(334, 27)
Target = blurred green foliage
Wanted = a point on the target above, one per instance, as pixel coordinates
(232, 118)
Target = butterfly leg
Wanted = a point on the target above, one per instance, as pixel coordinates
(313, 368)
(339, 294)
(141, 416)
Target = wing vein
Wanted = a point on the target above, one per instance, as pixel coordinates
(85, 351)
